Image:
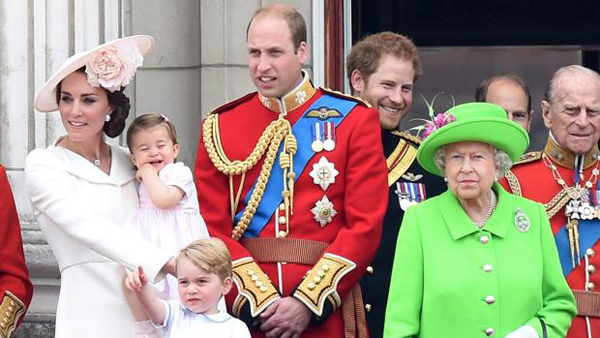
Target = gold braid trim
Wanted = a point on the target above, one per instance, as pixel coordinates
(11, 309)
(557, 203)
(513, 182)
(269, 142)
(322, 280)
(254, 285)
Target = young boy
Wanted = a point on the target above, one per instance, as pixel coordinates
(204, 276)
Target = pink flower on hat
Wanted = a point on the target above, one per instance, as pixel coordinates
(113, 67)
(439, 121)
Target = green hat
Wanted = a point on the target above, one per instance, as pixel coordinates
(476, 121)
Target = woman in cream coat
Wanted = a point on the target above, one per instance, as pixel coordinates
(476, 261)
(82, 189)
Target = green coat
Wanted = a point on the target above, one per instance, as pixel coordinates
(451, 279)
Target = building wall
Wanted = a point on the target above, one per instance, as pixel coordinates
(198, 63)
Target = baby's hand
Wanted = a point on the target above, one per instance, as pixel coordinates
(136, 280)
(144, 170)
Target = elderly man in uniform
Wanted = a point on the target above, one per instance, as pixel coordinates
(16, 289)
(292, 179)
(510, 92)
(382, 69)
(564, 176)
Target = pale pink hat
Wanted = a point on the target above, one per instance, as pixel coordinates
(110, 65)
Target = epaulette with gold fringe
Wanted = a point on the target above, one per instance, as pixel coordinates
(407, 136)
(346, 96)
(231, 104)
(529, 157)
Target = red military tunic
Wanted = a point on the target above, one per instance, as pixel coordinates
(533, 178)
(15, 287)
(358, 194)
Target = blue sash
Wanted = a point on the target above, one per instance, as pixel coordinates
(589, 233)
(302, 131)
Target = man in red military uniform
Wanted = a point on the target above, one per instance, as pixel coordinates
(564, 176)
(293, 179)
(15, 287)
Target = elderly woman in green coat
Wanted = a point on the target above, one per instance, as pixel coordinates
(476, 261)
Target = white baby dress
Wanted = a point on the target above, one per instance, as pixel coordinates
(170, 229)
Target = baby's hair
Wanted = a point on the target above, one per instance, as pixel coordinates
(147, 121)
(210, 255)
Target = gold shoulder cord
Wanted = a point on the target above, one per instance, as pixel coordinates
(269, 142)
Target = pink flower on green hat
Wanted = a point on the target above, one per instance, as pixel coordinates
(438, 122)
(113, 67)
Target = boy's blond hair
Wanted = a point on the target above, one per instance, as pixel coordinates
(210, 255)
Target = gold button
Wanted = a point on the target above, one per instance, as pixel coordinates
(490, 299)
(591, 286)
(368, 307)
(325, 267)
(281, 219)
(311, 286)
(263, 289)
(487, 267)
(370, 269)
(317, 279)
(282, 234)
(590, 252)
(321, 273)
(591, 269)
(489, 332)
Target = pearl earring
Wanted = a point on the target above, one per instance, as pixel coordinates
(446, 179)
(107, 118)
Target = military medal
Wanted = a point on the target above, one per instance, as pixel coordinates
(521, 220)
(579, 206)
(323, 211)
(323, 173)
(317, 136)
(410, 193)
(329, 143)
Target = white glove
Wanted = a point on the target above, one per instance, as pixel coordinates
(526, 331)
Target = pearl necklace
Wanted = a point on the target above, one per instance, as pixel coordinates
(489, 212)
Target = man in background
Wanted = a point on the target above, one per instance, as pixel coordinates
(510, 92)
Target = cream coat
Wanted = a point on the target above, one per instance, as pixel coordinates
(80, 210)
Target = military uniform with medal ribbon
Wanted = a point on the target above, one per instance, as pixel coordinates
(408, 184)
(299, 219)
(571, 201)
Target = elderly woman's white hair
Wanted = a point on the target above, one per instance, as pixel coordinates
(501, 160)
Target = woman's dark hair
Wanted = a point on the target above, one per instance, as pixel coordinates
(120, 104)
